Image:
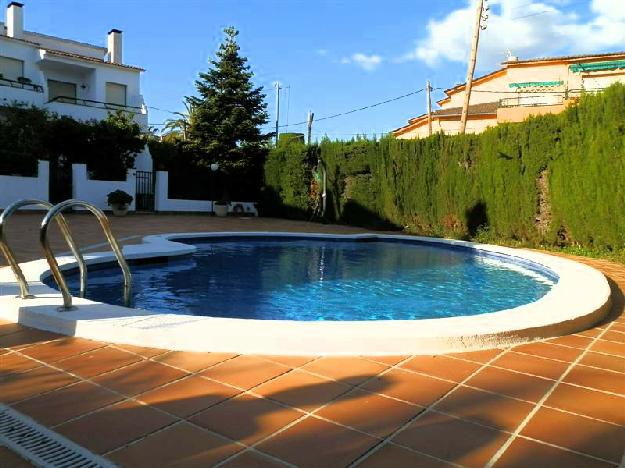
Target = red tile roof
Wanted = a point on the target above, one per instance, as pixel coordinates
(62, 53)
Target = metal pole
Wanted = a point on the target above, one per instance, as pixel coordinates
(311, 116)
(428, 88)
(277, 109)
(472, 60)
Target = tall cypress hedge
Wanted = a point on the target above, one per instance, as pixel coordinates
(555, 179)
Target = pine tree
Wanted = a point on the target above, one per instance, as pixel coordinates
(228, 113)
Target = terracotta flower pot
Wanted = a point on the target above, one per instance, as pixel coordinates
(120, 210)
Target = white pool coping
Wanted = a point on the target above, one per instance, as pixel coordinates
(579, 299)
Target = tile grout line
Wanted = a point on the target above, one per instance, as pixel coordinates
(383, 395)
(580, 364)
(349, 389)
(313, 414)
(495, 458)
(542, 377)
(241, 390)
(566, 449)
(307, 414)
(178, 419)
(390, 437)
(300, 368)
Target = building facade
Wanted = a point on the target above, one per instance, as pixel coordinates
(71, 78)
(82, 81)
(521, 88)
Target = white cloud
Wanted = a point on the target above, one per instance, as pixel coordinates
(364, 61)
(527, 29)
(322, 52)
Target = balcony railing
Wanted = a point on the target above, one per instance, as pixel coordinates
(532, 101)
(545, 98)
(21, 84)
(96, 104)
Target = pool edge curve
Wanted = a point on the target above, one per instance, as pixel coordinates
(581, 298)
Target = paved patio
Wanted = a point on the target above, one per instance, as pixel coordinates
(555, 403)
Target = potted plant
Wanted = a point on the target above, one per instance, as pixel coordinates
(220, 207)
(119, 202)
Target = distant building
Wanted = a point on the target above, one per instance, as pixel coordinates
(519, 89)
(83, 81)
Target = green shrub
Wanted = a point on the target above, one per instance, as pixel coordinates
(553, 179)
(108, 147)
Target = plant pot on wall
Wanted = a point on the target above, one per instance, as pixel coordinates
(220, 209)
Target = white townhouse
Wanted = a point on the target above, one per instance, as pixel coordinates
(72, 78)
(83, 81)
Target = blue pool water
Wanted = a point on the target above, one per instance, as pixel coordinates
(311, 279)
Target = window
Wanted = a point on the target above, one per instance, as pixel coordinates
(61, 91)
(115, 94)
(10, 68)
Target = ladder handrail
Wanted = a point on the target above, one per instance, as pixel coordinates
(54, 266)
(10, 255)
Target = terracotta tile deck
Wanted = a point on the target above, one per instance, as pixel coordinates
(556, 403)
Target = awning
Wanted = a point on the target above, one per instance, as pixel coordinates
(597, 66)
(536, 84)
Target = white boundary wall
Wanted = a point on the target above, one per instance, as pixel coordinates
(95, 191)
(162, 202)
(12, 188)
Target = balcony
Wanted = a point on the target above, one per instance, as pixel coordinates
(21, 84)
(88, 109)
(96, 104)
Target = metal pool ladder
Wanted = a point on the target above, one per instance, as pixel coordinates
(10, 256)
(106, 227)
(54, 212)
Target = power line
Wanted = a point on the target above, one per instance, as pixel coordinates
(533, 14)
(163, 110)
(328, 117)
(340, 114)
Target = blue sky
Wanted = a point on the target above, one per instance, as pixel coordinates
(335, 55)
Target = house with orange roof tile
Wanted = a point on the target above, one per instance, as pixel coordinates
(518, 90)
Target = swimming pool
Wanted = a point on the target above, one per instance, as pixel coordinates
(564, 296)
(309, 279)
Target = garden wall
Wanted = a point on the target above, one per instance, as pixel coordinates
(162, 202)
(556, 179)
(13, 188)
(96, 191)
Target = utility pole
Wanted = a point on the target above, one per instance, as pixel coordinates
(278, 88)
(311, 116)
(480, 17)
(428, 88)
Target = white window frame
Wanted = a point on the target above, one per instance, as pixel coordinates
(19, 62)
(70, 99)
(106, 93)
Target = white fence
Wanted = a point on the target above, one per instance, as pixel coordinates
(12, 188)
(95, 191)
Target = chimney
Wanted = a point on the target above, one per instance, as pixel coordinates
(15, 20)
(114, 45)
